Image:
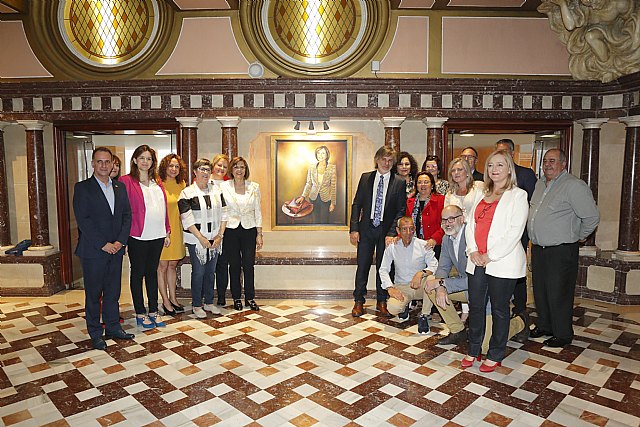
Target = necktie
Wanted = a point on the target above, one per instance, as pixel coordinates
(377, 211)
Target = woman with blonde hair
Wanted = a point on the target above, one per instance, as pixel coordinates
(320, 187)
(150, 231)
(220, 174)
(496, 257)
(173, 174)
(463, 190)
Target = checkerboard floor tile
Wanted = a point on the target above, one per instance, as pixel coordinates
(305, 363)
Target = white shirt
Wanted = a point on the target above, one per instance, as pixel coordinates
(456, 243)
(385, 185)
(408, 260)
(155, 212)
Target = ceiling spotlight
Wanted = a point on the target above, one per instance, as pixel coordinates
(297, 126)
(311, 125)
(325, 126)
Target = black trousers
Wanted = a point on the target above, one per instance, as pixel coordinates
(482, 289)
(520, 291)
(102, 280)
(371, 240)
(554, 273)
(321, 210)
(144, 257)
(240, 244)
(222, 273)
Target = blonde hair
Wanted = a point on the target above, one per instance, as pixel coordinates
(453, 186)
(512, 181)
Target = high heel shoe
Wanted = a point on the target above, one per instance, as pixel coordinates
(237, 304)
(168, 312)
(489, 368)
(466, 363)
(178, 308)
(252, 305)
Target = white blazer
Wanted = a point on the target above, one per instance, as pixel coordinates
(508, 259)
(248, 214)
(471, 199)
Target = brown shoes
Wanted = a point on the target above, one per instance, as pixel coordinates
(358, 309)
(381, 308)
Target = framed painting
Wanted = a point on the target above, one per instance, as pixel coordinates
(311, 182)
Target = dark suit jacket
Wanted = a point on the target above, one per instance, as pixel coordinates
(97, 225)
(478, 176)
(526, 180)
(394, 205)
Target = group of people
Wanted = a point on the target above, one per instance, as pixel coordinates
(153, 213)
(465, 239)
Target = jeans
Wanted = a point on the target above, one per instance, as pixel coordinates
(201, 277)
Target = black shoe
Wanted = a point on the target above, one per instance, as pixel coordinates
(99, 343)
(537, 333)
(423, 324)
(179, 308)
(556, 342)
(457, 338)
(237, 304)
(168, 312)
(222, 301)
(405, 314)
(252, 305)
(119, 335)
(523, 335)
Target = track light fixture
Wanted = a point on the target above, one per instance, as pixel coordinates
(311, 125)
(325, 126)
(297, 126)
(311, 120)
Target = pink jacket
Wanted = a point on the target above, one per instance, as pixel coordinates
(138, 209)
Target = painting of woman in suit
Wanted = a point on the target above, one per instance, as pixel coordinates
(320, 187)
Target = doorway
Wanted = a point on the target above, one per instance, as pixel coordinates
(73, 149)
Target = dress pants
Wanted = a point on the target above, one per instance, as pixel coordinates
(520, 291)
(144, 257)
(201, 277)
(240, 244)
(452, 320)
(222, 273)
(371, 240)
(554, 273)
(102, 279)
(396, 306)
(484, 288)
(321, 210)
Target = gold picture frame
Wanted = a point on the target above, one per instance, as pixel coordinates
(295, 170)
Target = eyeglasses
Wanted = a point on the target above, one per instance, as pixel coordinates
(450, 220)
(204, 169)
(484, 210)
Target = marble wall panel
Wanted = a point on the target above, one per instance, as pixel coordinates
(601, 278)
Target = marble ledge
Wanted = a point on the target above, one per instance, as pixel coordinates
(306, 258)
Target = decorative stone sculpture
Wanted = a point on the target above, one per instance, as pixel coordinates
(602, 36)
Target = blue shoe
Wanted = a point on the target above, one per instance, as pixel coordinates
(144, 321)
(405, 314)
(157, 320)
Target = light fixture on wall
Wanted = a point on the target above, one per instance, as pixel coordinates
(311, 129)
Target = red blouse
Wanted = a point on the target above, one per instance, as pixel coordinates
(431, 215)
(483, 217)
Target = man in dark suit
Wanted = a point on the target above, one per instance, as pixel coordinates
(379, 202)
(103, 214)
(526, 181)
(470, 154)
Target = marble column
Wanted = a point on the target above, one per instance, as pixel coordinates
(188, 149)
(229, 135)
(5, 225)
(436, 141)
(629, 229)
(589, 168)
(37, 185)
(392, 131)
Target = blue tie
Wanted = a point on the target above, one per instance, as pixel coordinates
(377, 211)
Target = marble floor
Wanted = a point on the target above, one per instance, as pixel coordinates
(303, 363)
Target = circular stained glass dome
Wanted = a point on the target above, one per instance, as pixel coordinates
(108, 33)
(314, 33)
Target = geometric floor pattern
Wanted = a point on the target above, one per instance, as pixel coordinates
(303, 363)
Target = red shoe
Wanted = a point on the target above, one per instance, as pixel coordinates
(465, 363)
(486, 368)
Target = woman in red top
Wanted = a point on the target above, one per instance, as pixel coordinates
(496, 257)
(426, 208)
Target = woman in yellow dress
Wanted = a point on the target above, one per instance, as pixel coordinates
(173, 173)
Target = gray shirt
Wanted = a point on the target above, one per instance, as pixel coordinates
(562, 211)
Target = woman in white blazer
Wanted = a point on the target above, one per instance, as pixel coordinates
(496, 257)
(243, 234)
